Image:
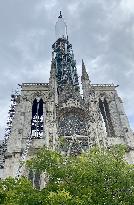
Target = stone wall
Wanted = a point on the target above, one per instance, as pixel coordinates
(95, 124)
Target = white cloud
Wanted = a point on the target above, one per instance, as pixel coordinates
(127, 6)
(46, 5)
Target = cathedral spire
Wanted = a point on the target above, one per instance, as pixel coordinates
(53, 80)
(86, 86)
(66, 71)
(85, 75)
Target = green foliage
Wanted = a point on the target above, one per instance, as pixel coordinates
(18, 192)
(96, 177)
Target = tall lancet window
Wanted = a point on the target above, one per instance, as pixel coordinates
(37, 119)
(105, 112)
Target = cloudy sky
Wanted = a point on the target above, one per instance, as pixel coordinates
(101, 31)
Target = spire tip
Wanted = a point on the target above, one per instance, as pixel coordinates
(83, 63)
(84, 72)
(60, 16)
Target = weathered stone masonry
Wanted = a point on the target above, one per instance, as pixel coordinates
(46, 113)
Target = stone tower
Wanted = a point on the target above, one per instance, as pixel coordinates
(50, 113)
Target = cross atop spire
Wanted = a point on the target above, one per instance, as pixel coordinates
(60, 16)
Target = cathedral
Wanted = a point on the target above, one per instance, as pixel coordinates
(57, 115)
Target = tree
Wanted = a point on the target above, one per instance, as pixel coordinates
(96, 177)
(18, 192)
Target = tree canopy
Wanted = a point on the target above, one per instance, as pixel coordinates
(96, 177)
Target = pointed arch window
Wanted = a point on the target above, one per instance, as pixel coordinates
(37, 119)
(105, 112)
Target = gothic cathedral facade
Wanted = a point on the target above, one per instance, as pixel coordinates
(44, 114)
